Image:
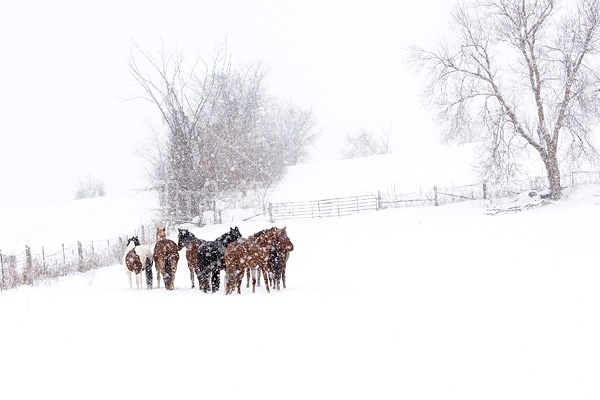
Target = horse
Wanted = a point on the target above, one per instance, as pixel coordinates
(278, 257)
(137, 258)
(211, 260)
(191, 244)
(248, 273)
(277, 264)
(166, 257)
(252, 253)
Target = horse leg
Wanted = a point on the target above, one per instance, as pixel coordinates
(239, 277)
(200, 276)
(247, 277)
(168, 274)
(265, 276)
(158, 266)
(192, 277)
(215, 280)
(203, 280)
(253, 279)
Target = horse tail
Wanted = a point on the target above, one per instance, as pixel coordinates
(149, 276)
(167, 278)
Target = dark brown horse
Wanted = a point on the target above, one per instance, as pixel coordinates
(252, 253)
(277, 264)
(166, 257)
(191, 243)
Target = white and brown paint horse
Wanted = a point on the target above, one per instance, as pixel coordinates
(138, 258)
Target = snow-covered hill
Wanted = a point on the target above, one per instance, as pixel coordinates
(418, 303)
(395, 172)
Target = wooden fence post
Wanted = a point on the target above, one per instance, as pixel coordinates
(435, 196)
(28, 264)
(80, 251)
(43, 260)
(484, 190)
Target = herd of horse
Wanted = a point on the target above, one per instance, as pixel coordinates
(266, 252)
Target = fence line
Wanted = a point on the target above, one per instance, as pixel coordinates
(33, 266)
(335, 207)
(433, 196)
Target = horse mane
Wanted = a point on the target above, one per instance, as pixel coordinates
(260, 233)
(270, 236)
(229, 237)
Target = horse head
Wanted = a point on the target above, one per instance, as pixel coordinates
(185, 238)
(235, 234)
(161, 233)
(283, 240)
(134, 239)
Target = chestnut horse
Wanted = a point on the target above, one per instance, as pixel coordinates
(277, 263)
(252, 253)
(137, 258)
(191, 243)
(166, 257)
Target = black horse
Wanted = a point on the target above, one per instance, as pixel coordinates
(211, 260)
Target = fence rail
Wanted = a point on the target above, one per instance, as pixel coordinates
(335, 207)
(33, 266)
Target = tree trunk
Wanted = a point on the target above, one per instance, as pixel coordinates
(553, 173)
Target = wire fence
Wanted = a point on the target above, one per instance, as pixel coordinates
(36, 265)
(432, 196)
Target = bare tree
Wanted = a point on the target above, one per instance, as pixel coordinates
(363, 143)
(520, 75)
(215, 144)
(181, 91)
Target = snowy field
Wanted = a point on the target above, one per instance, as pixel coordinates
(417, 303)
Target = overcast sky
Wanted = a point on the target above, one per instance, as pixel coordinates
(64, 78)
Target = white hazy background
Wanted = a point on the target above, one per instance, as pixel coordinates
(64, 80)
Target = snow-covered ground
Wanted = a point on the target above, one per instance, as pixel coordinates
(416, 303)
